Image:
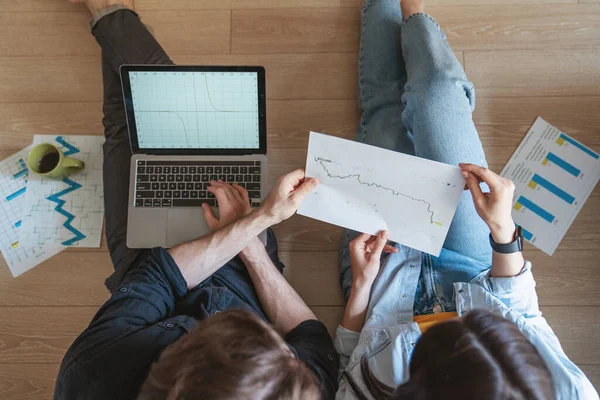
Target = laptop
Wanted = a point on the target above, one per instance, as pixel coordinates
(189, 125)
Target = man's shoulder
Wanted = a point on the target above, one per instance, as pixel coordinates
(103, 365)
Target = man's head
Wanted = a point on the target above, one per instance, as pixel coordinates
(233, 355)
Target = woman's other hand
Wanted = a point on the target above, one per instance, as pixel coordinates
(495, 207)
(365, 255)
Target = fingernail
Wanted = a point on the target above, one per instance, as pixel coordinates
(383, 234)
(462, 163)
(465, 175)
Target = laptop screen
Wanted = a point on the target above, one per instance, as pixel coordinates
(195, 109)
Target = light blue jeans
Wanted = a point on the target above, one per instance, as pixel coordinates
(415, 98)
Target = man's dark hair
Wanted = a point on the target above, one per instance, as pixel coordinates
(480, 356)
(233, 355)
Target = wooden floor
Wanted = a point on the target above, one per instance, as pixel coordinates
(526, 58)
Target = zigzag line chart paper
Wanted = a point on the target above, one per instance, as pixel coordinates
(368, 189)
(68, 212)
(13, 185)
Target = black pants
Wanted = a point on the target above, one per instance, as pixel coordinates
(125, 40)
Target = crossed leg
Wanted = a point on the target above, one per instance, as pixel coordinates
(123, 39)
(415, 98)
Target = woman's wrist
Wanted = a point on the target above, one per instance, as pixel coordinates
(503, 234)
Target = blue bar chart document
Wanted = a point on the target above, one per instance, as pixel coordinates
(554, 175)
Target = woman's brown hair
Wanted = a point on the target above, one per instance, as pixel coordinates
(233, 355)
(479, 356)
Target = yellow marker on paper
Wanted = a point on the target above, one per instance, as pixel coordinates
(15, 245)
(560, 141)
(438, 223)
(532, 184)
(518, 206)
(545, 162)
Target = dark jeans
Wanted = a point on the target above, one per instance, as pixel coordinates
(125, 40)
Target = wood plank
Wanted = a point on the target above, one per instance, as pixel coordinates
(46, 34)
(68, 34)
(78, 79)
(191, 32)
(519, 26)
(142, 5)
(572, 326)
(240, 4)
(28, 381)
(534, 73)
(40, 334)
(20, 121)
(468, 28)
(296, 76)
(303, 30)
(71, 79)
(506, 120)
(315, 276)
(289, 122)
(67, 279)
(40, 5)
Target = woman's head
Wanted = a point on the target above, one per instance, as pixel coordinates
(479, 356)
(233, 355)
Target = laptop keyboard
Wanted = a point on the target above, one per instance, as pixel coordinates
(185, 183)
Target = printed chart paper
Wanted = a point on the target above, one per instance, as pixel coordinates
(68, 212)
(13, 185)
(554, 175)
(368, 189)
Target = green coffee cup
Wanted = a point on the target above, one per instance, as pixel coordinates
(48, 161)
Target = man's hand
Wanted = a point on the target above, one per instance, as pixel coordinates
(365, 254)
(495, 207)
(288, 193)
(233, 204)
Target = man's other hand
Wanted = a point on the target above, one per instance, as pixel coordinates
(233, 204)
(288, 193)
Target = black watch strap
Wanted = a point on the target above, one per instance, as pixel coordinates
(509, 248)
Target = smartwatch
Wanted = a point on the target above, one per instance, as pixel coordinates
(509, 248)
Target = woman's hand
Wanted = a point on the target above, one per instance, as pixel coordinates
(495, 207)
(365, 254)
(233, 204)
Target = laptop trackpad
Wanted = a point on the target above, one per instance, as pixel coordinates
(184, 225)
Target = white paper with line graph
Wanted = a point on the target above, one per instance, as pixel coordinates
(368, 189)
(13, 185)
(70, 211)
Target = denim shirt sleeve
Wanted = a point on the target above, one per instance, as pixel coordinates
(515, 299)
(345, 343)
(516, 292)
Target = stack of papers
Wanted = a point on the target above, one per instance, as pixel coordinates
(40, 217)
